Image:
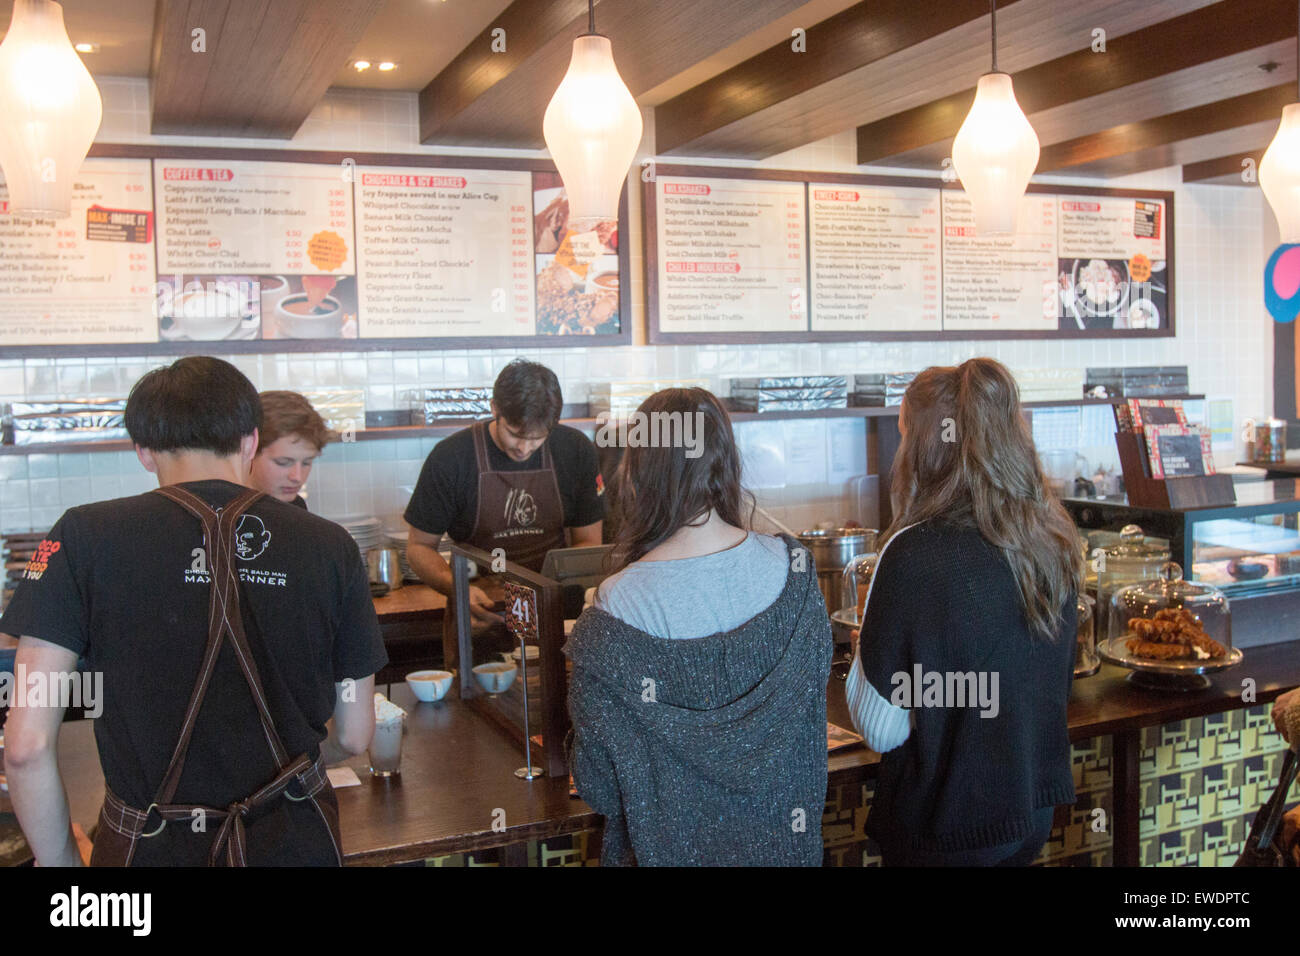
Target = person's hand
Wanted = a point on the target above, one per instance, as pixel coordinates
(1291, 832)
(480, 607)
(1288, 701)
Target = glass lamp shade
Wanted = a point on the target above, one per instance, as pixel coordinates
(994, 154)
(592, 128)
(49, 111)
(1279, 174)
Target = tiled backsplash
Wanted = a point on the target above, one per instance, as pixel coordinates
(1224, 336)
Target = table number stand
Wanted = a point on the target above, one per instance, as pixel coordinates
(540, 599)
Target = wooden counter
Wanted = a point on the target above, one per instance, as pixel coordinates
(410, 620)
(458, 768)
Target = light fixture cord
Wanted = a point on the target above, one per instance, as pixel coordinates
(993, 19)
(591, 16)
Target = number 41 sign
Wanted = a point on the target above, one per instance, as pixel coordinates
(521, 612)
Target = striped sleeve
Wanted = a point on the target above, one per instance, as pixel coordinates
(881, 724)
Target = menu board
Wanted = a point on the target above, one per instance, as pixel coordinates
(999, 283)
(892, 257)
(444, 252)
(88, 278)
(733, 256)
(193, 248)
(875, 257)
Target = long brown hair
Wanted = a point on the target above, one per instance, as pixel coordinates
(661, 489)
(967, 456)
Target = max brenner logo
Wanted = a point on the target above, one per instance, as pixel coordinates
(521, 509)
(251, 539)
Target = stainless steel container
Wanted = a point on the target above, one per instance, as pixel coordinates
(832, 551)
(385, 567)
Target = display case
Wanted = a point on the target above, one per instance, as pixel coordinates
(1249, 550)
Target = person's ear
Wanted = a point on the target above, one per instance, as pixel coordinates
(147, 459)
(248, 451)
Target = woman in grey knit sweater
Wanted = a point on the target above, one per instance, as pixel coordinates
(698, 692)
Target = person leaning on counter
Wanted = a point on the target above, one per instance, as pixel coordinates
(521, 482)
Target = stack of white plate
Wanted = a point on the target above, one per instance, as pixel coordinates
(367, 531)
(397, 539)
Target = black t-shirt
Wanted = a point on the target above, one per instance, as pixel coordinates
(128, 588)
(446, 496)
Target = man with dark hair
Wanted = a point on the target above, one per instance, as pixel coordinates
(521, 482)
(230, 629)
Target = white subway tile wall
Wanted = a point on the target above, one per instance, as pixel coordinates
(1223, 235)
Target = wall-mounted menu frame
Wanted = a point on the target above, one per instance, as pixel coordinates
(376, 255)
(889, 258)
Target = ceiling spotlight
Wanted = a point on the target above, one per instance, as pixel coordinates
(86, 47)
(387, 65)
(361, 65)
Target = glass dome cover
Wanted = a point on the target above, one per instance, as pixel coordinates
(1171, 621)
(1086, 661)
(857, 582)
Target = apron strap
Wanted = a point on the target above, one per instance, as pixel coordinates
(223, 618)
(480, 433)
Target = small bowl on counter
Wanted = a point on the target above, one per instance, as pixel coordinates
(496, 676)
(429, 686)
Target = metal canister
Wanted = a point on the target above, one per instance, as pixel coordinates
(385, 567)
(832, 551)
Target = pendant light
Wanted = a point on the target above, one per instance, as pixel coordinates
(592, 128)
(996, 150)
(49, 111)
(1279, 169)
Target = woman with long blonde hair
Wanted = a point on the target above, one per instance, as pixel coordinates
(967, 646)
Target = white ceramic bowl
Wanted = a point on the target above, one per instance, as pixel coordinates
(495, 677)
(299, 326)
(429, 686)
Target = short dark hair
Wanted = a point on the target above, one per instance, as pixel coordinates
(527, 394)
(197, 403)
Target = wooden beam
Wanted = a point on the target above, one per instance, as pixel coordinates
(1029, 32)
(1199, 37)
(257, 68)
(845, 42)
(487, 98)
(1204, 120)
(1226, 170)
(1237, 141)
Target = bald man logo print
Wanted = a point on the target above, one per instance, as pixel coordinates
(251, 537)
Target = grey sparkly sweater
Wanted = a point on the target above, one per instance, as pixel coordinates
(709, 751)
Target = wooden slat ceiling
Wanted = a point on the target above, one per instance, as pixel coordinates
(1029, 32)
(499, 98)
(266, 63)
(1194, 83)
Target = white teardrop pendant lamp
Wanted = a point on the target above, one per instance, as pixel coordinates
(49, 111)
(592, 128)
(996, 150)
(1279, 171)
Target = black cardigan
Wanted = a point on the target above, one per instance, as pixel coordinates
(945, 599)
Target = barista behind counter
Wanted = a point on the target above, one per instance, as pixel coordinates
(521, 482)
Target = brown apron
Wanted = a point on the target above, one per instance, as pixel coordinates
(121, 827)
(519, 511)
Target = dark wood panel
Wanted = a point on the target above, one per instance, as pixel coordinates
(1217, 117)
(499, 99)
(1226, 170)
(1227, 142)
(845, 42)
(265, 65)
(1196, 38)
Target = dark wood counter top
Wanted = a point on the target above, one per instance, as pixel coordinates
(409, 601)
(458, 768)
